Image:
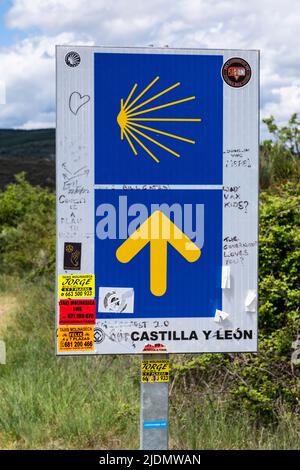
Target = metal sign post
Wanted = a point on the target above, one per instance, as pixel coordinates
(154, 422)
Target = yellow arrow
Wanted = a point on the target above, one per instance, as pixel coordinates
(158, 230)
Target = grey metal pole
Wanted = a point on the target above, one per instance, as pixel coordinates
(154, 424)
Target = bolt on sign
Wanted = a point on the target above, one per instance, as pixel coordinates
(157, 200)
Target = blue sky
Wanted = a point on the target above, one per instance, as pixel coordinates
(29, 31)
(6, 35)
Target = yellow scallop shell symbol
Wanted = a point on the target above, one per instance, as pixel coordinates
(130, 118)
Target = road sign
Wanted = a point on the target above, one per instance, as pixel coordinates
(157, 200)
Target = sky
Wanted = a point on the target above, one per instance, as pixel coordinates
(29, 31)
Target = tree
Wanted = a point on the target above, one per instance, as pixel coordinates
(280, 156)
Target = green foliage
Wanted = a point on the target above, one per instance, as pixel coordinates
(27, 229)
(287, 136)
(204, 422)
(60, 402)
(261, 384)
(280, 156)
(279, 258)
(263, 388)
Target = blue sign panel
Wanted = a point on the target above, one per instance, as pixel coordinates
(158, 118)
(192, 284)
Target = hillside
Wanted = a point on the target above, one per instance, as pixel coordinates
(30, 151)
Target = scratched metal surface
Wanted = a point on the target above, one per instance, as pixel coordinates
(154, 409)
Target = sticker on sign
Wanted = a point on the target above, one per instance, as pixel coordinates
(75, 338)
(79, 311)
(155, 371)
(116, 299)
(76, 285)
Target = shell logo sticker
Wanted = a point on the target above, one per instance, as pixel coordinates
(236, 72)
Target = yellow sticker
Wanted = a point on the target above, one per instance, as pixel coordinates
(75, 338)
(155, 370)
(76, 285)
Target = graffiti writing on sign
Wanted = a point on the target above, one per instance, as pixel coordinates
(145, 186)
(233, 200)
(235, 250)
(237, 158)
(77, 101)
(76, 285)
(73, 180)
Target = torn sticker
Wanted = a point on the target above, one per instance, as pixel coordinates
(225, 277)
(72, 256)
(77, 311)
(116, 300)
(75, 338)
(155, 371)
(76, 285)
(220, 316)
(250, 301)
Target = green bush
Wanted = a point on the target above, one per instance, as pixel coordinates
(27, 229)
(261, 384)
(279, 258)
(280, 156)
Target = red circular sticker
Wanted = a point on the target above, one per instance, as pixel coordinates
(236, 72)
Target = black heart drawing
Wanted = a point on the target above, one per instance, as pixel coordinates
(76, 101)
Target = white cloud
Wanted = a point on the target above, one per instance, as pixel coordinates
(28, 70)
(106, 20)
(287, 102)
(271, 25)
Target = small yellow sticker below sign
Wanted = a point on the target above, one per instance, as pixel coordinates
(76, 285)
(75, 338)
(155, 370)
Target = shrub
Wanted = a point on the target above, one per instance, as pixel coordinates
(261, 384)
(280, 156)
(27, 229)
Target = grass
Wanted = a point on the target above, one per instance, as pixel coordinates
(209, 425)
(50, 402)
(66, 402)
